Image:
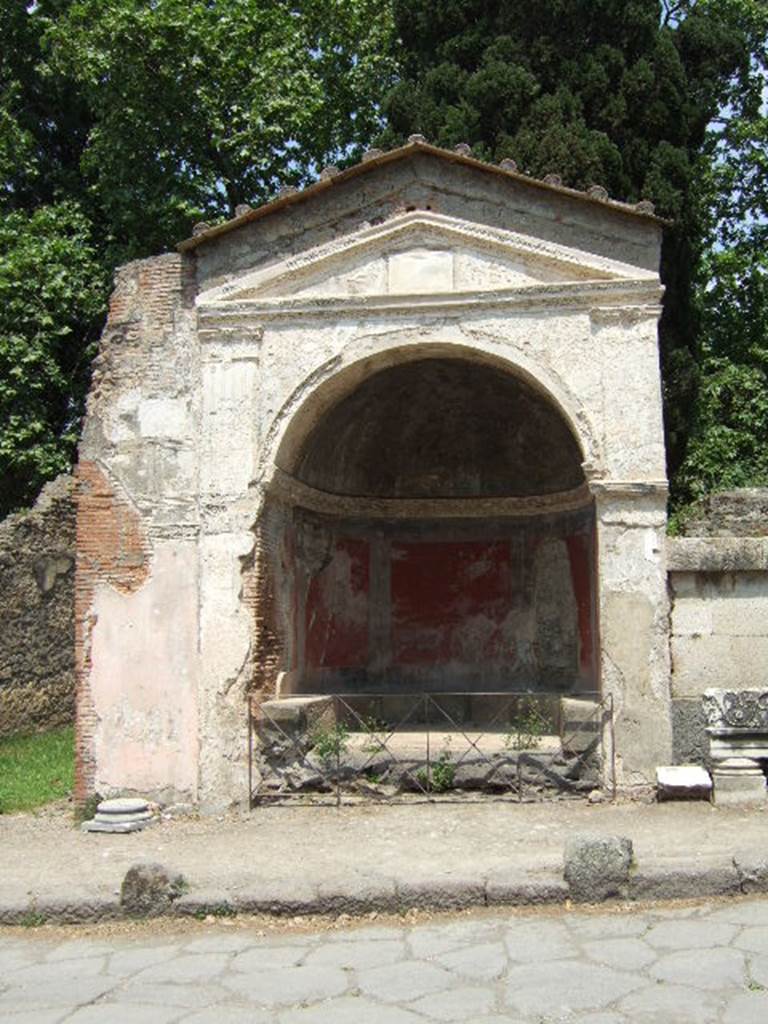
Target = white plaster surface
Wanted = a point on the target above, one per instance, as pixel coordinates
(144, 679)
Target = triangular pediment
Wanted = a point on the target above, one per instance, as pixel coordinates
(422, 253)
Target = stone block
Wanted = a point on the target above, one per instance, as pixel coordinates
(683, 782)
(690, 741)
(739, 780)
(579, 725)
(297, 715)
(149, 889)
(114, 827)
(123, 805)
(597, 867)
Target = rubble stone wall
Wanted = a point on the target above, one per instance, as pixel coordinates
(37, 666)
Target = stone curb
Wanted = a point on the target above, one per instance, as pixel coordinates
(744, 876)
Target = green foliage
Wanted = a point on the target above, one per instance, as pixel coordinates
(52, 288)
(122, 122)
(729, 428)
(627, 93)
(441, 774)
(330, 744)
(527, 727)
(34, 770)
(198, 106)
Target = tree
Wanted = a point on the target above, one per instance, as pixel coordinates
(52, 285)
(728, 446)
(122, 122)
(200, 106)
(619, 92)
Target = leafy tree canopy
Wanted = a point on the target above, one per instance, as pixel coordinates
(625, 93)
(122, 122)
(200, 106)
(52, 286)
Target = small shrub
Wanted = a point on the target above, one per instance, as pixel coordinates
(441, 773)
(527, 727)
(330, 744)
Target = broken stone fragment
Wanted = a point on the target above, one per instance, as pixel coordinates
(597, 867)
(149, 889)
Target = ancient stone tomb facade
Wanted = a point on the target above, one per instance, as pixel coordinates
(400, 432)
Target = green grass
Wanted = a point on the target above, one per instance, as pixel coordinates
(34, 770)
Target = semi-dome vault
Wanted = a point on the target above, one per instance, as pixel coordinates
(401, 430)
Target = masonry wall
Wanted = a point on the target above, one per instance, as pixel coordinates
(37, 664)
(136, 588)
(718, 581)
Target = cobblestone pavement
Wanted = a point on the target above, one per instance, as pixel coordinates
(706, 963)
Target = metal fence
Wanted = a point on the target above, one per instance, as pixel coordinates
(417, 747)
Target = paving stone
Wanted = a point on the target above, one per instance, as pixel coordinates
(624, 954)
(232, 943)
(603, 1018)
(484, 962)
(401, 982)
(657, 1003)
(358, 955)
(754, 912)
(264, 958)
(603, 926)
(115, 1013)
(189, 996)
(79, 949)
(285, 986)
(701, 968)
(747, 1008)
(224, 1013)
(68, 972)
(457, 1004)
(689, 935)
(755, 940)
(43, 993)
(375, 933)
(530, 941)
(349, 1010)
(758, 970)
(426, 942)
(128, 961)
(36, 1017)
(566, 986)
(185, 968)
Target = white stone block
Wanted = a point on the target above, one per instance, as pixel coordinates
(683, 782)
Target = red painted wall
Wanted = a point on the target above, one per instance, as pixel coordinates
(449, 600)
(399, 602)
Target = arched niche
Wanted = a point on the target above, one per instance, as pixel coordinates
(431, 530)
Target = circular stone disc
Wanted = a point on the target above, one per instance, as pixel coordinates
(122, 805)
